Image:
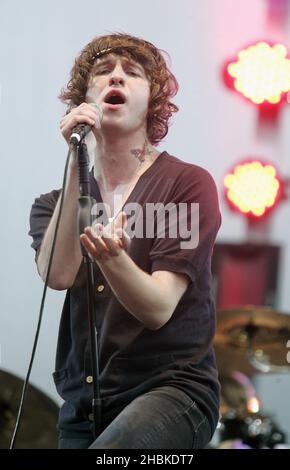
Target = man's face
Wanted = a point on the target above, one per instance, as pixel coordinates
(121, 87)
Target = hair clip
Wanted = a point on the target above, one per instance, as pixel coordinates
(102, 52)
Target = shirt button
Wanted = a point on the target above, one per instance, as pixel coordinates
(100, 288)
(89, 379)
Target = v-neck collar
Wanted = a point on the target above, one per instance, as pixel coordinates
(96, 193)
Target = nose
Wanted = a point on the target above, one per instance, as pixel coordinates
(116, 81)
(117, 77)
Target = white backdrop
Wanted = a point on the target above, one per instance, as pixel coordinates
(214, 128)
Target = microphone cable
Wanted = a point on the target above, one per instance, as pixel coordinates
(26, 382)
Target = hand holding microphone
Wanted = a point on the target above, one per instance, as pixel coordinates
(80, 121)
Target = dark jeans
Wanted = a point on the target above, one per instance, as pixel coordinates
(164, 418)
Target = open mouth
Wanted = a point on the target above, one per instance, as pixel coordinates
(115, 98)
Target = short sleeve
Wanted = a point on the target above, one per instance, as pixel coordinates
(199, 218)
(40, 215)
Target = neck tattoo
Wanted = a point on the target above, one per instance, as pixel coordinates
(140, 154)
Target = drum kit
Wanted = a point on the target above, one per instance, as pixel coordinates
(38, 426)
(250, 340)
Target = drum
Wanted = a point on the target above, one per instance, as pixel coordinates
(38, 425)
(253, 430)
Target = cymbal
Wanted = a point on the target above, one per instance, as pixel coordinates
(259, 332)
(38, 426)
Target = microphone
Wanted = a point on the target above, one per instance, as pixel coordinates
(80, 131)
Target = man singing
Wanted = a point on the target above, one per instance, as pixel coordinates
(155, 314)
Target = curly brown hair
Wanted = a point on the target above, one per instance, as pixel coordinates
(163, 83)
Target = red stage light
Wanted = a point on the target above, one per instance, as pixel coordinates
(261, 73)
(253, 188)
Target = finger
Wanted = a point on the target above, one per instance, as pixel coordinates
(96, 240)
(97, 109)
(118, 237)
(126, 240)
(110, 238)
(106, 231)
(121, 223)
(76, 119)
(89, 245)
(91, 109)
(89, 112)
(83, 114)
(124, 219)
(66, 129)
(96, 250)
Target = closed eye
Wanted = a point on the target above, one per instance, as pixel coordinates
(103, 71)
(131, 72)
